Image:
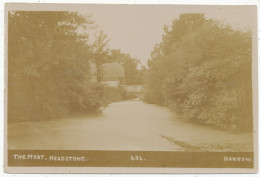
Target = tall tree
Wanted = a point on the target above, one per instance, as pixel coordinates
(47, 61)
(202, 69)
(100, 48)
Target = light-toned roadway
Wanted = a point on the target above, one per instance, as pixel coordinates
(127, 125)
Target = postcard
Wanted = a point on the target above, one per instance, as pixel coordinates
(110, 88)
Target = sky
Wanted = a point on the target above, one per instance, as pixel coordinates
(135, 29)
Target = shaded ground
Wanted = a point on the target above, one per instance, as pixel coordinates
(128, 125)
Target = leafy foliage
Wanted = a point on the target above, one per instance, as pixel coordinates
(48, 66)
(202, 69)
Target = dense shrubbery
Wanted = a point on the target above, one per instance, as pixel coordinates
(115, 94)
(48, 67)
(202, 69)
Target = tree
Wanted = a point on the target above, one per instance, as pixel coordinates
(48, 74)
(100, 49)
(202, 70)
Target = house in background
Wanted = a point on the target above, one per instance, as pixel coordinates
(113, 74)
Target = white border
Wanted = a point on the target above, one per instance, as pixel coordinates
(199, 2)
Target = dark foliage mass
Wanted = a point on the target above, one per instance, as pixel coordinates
(202, 70)
(47, 75)
(48, 67)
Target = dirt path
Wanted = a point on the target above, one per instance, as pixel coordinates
(128, 125)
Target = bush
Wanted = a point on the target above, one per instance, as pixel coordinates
(48, 75)
(204, 73)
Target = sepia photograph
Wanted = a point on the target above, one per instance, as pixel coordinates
(154, 86)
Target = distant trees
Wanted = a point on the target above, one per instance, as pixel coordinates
(133, 75)
(202, 69)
